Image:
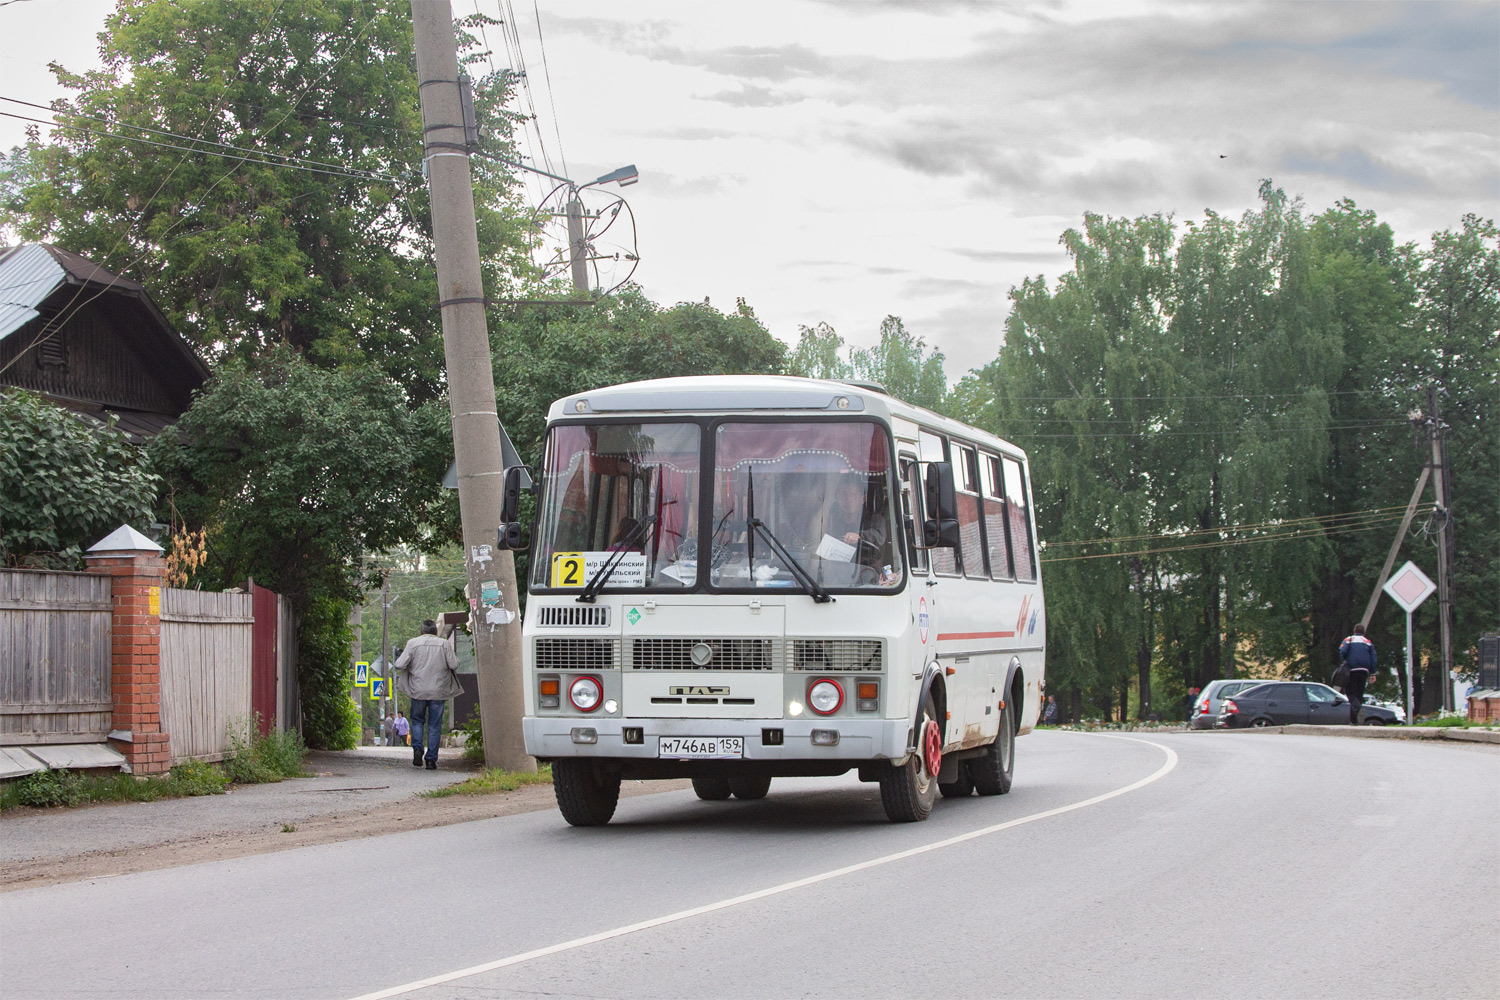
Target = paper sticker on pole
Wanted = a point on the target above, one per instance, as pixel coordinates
(1409, 587)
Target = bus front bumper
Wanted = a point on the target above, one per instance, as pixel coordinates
(858, 739)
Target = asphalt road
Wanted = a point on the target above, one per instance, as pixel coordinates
(1156, 866)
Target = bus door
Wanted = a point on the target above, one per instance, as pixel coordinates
(924, 639)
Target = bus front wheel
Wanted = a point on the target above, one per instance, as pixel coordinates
(586, 796)
(909, 791)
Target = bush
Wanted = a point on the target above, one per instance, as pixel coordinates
(473, 738)
(48, 788)
(254, 759)
(329, 719)
(195, 777)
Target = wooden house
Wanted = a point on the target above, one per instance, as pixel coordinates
(92, 340)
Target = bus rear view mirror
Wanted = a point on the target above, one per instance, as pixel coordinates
(940, 530)
(511, 536)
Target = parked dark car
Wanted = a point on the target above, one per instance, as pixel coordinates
(1284, 703)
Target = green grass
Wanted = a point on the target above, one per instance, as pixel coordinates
(1452, 722)
(492, 780)
(47, 789)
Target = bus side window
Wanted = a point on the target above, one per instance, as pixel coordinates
(994, 519)
(1019, 509)
(933, 447)
(966, 478)
(911, 509)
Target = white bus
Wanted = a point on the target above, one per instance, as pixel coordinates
(738, 578)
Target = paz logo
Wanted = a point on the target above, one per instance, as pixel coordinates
(634, 616)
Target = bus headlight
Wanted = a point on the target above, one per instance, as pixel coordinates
(585, 693)
(825, 696)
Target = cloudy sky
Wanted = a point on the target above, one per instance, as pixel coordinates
(841, 161)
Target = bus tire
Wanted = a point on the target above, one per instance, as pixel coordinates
(711, 789)
(585, 795)
(750, 789)
(908, 792)
(992, 771)
(961, 787)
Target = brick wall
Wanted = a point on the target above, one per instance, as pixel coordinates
(135, 656)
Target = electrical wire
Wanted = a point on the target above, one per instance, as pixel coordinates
(547, 74)
(1221, 544)
(1244, 526)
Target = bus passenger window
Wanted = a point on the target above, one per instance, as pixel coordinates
(966, 477)
(1019, 521)
(994, 520)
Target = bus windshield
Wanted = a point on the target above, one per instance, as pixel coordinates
(601, 481)
(822, 491)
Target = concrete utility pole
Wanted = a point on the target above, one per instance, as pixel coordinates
(577, 246)
(471, 389)
(1444, 540)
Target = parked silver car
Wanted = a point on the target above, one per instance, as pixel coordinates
(1210, 700)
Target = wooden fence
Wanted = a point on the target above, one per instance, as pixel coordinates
(54, 657)
(205, 669)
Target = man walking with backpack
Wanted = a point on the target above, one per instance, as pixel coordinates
(1358, 654)
(427, 673)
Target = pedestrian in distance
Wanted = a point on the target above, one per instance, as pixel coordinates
(1358, 654)
(427, 673)
(1049, 714)
(402, 728)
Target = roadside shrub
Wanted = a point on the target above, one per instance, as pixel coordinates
(196, 777)
(254, 759)
(473, 738)
(48, 788)
(329, 719)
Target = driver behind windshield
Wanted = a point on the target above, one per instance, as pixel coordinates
(847, 520)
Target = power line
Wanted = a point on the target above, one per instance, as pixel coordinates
(551, 94)
(1301, 533)
(1244, 526)
(244, 157)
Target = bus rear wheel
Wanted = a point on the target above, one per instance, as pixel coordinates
(586, 796)
(909, 791)
(711, 789)
(749, 789)
(992, 771)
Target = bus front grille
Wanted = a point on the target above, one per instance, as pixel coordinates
(560, 616)
(846, 656)
(723, 654)
(577, 654)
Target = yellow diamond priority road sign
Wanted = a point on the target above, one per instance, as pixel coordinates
(1409, 587)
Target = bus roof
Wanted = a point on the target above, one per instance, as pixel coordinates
(760, 394)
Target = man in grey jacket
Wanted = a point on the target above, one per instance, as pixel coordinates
(427, 673)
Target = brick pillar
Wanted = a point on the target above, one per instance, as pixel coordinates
(136, 569)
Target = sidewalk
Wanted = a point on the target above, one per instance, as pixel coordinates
(349, 781)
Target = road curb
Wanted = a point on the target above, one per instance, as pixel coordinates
(1453, 733)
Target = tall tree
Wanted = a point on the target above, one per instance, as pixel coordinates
(902, 364)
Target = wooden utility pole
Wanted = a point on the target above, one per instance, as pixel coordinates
(493, 606)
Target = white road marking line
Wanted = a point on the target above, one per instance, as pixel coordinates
(777, 890)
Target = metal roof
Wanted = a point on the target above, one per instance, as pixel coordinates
(28, 274)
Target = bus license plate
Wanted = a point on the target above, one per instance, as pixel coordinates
(701, 747)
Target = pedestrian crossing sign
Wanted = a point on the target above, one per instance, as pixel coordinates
(379, 688)
(361, 675)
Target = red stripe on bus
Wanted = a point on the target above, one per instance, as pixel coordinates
(975, 635)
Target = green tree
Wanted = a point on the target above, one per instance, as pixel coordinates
(817, 354)
(65, 483)
(297, 471)
(902, 364)
(320, 239)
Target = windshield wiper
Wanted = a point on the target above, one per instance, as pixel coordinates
(805, 578)
(600, 578)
